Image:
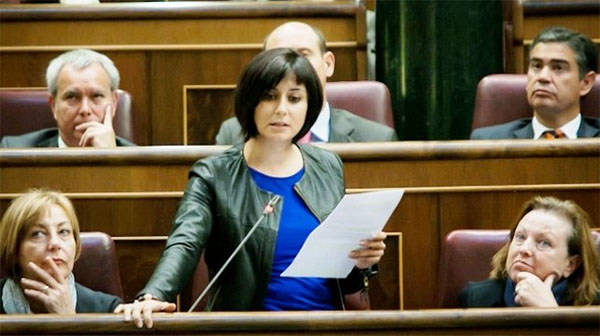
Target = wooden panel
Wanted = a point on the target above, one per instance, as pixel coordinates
(420, 216)
(137, 258)
(424, 217)
(380, 174)
(397, 164)
(202, 30)
(498, 321)
(211, 67)
(585, 24)
(531, 17)
(500, 209)
(134, 70)
(469, 172)
(385, 290)
(200, 101)
(97, 178)
(167, 46)
(205, 107)
(24, 69)
(122, 216)
(126, 217)
(135, 191)
(417, 218)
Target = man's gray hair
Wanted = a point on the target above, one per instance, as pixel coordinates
(80, 59)
(586, 52)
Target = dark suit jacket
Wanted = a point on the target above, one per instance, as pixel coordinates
(88, 301)
(345, 127)
(487, 293)
(490, 293)
(47, 137)
(522, 129)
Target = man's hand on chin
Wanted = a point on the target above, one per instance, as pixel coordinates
(96, 134)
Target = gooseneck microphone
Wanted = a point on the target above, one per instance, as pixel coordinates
(267, 211)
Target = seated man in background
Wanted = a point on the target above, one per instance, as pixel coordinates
(562, 69)
(550, 260)
(333, 125)
(83, 97)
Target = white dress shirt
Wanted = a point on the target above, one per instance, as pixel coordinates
(569, 129)
(320, 129)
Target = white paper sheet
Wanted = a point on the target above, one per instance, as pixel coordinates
(357, 217)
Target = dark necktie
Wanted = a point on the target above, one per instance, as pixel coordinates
(554, 134)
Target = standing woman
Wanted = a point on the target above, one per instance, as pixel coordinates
(39, 243)
(277, 100)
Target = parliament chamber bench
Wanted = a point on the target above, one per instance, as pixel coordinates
(159, 48)
(494, 321)
(524, 19)
(132, 194)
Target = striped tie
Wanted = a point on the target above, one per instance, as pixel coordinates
(554, 134)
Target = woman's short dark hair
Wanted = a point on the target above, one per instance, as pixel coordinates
(262, 74)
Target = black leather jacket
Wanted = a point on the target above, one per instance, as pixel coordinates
(219, 206)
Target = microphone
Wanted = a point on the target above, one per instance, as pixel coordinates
(267, 211)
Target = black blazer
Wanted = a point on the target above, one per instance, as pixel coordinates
(47, 137)
(490, 293)
(484, 294)
(88, 301)
(522, 129)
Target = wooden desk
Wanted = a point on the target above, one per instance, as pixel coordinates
(160, 47)
(498, 321)
(132, 193)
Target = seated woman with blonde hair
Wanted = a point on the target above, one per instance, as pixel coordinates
(39, 243)
(549, 261)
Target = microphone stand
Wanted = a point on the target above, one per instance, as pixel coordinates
(267, 211)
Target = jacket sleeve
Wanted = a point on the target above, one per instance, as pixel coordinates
(122, 142)
(357, 279)
(90, 301)
(477, 135)
(230, 133)
(223, 137)
(191, 228)
(4, 142)
(463, 298)
(393, 136)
